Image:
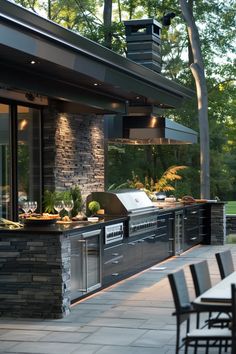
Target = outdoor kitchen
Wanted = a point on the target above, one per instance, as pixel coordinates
(46, 268)
(61, 113)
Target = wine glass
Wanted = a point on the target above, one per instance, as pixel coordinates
(69, 204)
(25, 207)
(59, 206)
(33, 206)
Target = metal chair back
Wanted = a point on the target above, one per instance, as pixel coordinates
(201, 277)
(225, 263)
(179, 291)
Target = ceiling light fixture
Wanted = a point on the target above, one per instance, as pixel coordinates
(29, 96)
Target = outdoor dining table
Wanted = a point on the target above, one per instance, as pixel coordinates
(218, 297)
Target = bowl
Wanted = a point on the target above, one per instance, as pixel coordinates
(93, 219)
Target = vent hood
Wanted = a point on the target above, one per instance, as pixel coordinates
(147, 130)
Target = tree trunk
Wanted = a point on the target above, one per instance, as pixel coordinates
(107, 21)
(49, 10)
(197, 69)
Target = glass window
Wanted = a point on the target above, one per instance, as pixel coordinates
(5, 199)
(29, 154)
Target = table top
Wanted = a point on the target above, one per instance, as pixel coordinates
(218, 296)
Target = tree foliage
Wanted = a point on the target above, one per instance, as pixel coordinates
(215, 20)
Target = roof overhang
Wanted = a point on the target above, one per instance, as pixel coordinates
(72, 68)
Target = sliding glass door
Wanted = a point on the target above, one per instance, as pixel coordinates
(20, 158)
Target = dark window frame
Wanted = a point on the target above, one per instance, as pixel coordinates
(13, 153)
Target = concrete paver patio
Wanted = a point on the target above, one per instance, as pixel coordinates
(132, 317)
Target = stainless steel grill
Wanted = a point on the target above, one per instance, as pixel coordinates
(135, 204)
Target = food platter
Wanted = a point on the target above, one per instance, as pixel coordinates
(39, 221)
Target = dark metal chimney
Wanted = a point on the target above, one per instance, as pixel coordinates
(144, 42)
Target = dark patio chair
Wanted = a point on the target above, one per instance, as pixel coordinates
(201, 277)
(206, 337)
(202, 282)
(233, 328)
(225, 263)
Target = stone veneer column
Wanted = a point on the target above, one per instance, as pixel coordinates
(218, 224)
(73, 151)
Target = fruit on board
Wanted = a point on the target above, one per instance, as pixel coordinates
(93, 206)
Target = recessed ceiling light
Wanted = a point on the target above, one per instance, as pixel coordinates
(137, 97)
(95, 84)
(32, 62)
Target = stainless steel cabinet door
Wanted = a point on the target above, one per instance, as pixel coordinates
(85, 263)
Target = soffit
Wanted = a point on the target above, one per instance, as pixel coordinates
(74, 60)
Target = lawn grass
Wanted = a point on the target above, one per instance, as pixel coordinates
(231, 207)
(231, 238)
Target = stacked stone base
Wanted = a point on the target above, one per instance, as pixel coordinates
(35, 276)
(230, 224)
(218, 224)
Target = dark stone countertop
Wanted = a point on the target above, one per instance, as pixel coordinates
(66, 227)
(74, 226)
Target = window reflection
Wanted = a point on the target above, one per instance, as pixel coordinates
(28, 154)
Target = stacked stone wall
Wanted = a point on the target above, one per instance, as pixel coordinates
(73, 151)
(218, 224)
(230, 224)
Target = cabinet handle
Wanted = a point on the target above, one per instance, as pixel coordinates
(161, 235)
(171, 239)
(91, 233)
(115, 262)
(115, 274)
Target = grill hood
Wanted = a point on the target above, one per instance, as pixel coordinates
(122, 202)
(147, 130)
